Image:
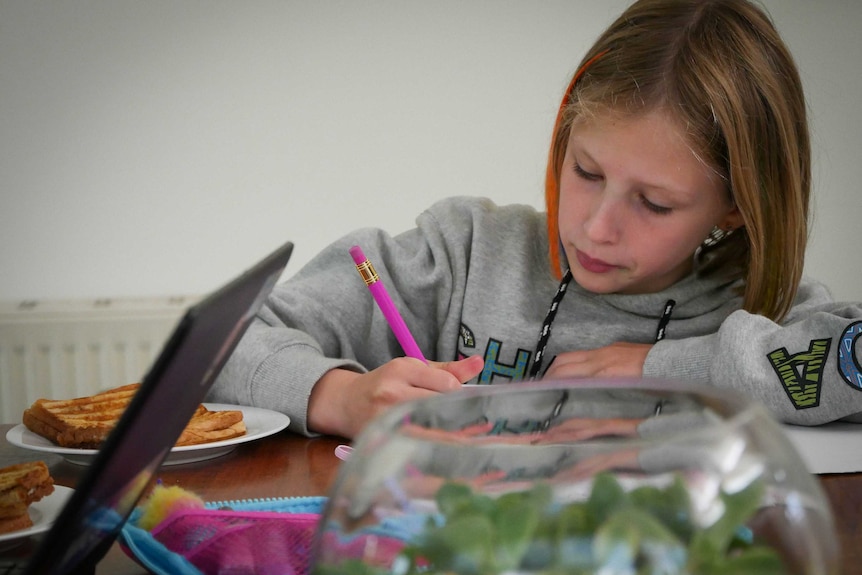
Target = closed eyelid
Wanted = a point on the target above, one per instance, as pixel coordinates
(580, 156)
(582, 173)
(644, 191)
(654, 207)
(582, 163)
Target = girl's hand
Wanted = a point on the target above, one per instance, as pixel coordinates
(464, 435)
(623, 460)
(569, 431)
(581, 429)
(342, 402)
(619, 359)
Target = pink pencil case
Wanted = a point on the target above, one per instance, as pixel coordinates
(254, 537)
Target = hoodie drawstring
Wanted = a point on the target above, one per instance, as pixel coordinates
(545, 334)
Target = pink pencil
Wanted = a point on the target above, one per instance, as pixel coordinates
(384, 302)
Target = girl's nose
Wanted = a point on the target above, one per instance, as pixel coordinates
(605, 220)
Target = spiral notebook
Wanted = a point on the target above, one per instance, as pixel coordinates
(177, 382)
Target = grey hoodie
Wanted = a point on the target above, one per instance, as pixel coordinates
(474, 278)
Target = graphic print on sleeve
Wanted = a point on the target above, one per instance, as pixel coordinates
(848, 363)
(801, 374)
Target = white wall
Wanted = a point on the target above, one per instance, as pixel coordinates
(159, 147)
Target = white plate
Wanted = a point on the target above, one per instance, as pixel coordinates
(259, 423)
(43, 513)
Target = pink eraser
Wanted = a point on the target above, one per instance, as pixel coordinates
(358, 256)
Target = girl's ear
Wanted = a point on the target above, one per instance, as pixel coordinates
(733, 220)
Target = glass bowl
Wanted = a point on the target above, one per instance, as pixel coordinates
(577, 476)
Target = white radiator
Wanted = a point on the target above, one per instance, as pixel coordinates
(64, 349)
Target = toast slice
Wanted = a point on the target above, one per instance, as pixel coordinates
(8, 525)
(82, 422)
(20, 485)
(85, 422)
(209, 426)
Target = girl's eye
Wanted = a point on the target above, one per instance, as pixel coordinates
(591, 177)
(655, 208)
(581, 173)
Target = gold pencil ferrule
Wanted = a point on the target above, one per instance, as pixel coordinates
(366, 270)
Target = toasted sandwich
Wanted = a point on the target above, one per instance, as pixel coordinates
(21, 485)
(207, 426)
(85, 422)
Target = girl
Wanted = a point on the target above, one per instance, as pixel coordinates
(673, 244)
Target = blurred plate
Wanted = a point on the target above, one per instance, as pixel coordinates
(259, 423)
(43, 513)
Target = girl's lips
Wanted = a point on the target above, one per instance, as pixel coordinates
(593, 265)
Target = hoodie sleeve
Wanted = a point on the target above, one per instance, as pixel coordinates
(806, 370)
(323, 317)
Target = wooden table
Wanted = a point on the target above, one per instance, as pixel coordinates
(289, 465)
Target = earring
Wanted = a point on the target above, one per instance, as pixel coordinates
(716, 235)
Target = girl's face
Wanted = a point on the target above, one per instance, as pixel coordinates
(635, 204)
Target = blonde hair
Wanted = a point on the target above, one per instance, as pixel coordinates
(720, 69)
